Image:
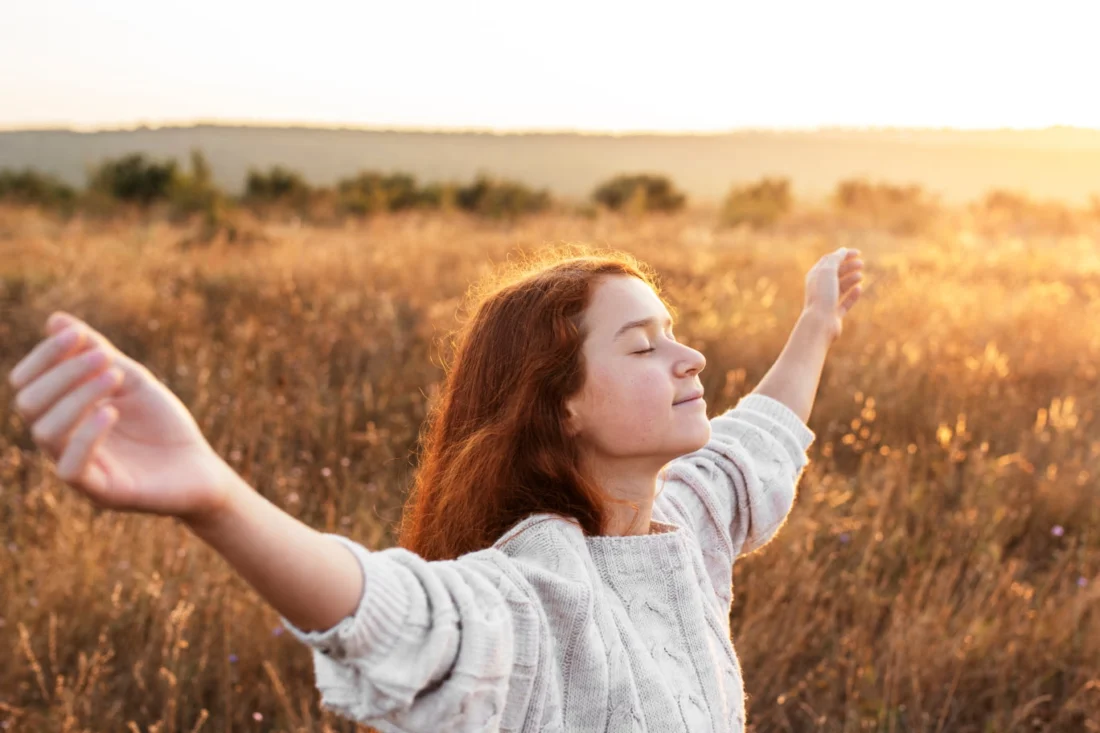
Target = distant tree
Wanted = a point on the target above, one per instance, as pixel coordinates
(905, 209)
(276, 185)
(501, 198)
(195, 192)
(1004, 208)
(757, 204)
(639, 192)
(439, 195)
(29, 186)
(371, 192)
(135, 179)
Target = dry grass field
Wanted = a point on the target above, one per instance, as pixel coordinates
(940, 570)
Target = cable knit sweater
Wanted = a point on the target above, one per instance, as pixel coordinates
(550, 630)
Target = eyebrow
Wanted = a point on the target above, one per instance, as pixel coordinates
(640, 323)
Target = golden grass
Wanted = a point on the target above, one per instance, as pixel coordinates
(939, 571)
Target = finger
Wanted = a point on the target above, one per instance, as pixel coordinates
(836, 256)
(52, 429)
(849, 280)
(849, 265)
(60, 320)
(77, 466)
(849, 300)
(38, 396)
(132, 371)
(48, 352)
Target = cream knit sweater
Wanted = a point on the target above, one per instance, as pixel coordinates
(549, 630)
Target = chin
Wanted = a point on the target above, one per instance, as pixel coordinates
(696, 440)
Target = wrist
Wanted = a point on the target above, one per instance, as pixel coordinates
(817, 320)
(218, 515)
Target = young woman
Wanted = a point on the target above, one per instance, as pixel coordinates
(566, 552)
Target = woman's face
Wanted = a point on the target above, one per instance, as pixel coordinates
(636, 371)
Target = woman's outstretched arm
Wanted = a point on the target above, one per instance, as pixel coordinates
(832, 288)
(122, 438)
(427, 643)
(737, 491)
(793, 378)
(308, 578)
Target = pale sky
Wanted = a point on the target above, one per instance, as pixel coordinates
(600, 65)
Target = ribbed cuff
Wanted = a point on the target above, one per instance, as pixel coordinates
(781, 414)
(373, 627)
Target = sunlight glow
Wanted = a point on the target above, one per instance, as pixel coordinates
(604, 66)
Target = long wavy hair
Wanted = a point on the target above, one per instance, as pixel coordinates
(494, 448)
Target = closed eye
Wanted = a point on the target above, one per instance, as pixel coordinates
(671, 336)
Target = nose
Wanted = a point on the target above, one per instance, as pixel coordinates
(692, 362)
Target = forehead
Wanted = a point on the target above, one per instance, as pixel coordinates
(620, 298)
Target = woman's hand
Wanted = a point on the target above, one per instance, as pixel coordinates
(115, 432)
(832, 288)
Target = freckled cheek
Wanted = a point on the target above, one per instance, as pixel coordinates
(635, 402)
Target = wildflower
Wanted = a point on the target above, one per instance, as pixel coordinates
(233, 658)
(1057, 530)
(845, 538)
(326, 471)
(277, 631)
(257, 717)
(1082, 581)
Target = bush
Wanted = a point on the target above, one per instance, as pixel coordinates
(370, 193)
(757, 204)
(195, 192)
(439, 195)
(278, 185)
(499, 198)
(28, 186)
(639, 192)
(135, 179)
(1000, 208)
(902, 209)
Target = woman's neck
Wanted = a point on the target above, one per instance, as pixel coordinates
(624, 521)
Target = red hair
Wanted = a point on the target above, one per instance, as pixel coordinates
(494, 448)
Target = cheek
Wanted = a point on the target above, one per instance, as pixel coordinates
(634, 402)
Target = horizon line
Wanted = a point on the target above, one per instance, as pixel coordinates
(138, 125)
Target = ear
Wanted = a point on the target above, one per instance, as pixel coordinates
(572, 420)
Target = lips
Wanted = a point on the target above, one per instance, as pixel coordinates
(689, 398)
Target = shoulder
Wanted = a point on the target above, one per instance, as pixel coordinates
(530, 533)
(546, 553)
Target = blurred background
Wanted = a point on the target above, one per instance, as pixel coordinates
(279, 209)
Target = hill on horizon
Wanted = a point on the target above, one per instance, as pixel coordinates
(958, 165)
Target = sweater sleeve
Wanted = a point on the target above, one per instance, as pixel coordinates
(430, 644)
(737, 490)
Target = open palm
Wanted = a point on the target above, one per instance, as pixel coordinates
(116, 432)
